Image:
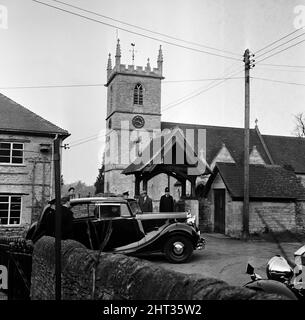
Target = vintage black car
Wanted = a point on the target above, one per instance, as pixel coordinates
(118, 225)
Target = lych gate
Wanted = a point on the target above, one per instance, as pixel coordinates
(178, 172)
(175, 157)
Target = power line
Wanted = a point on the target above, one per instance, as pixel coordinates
(274, 42)
(85, 141)
(280, 45)
(170, 106)
(98, 84)
(86, 138)
(182, 99)
(199, 80)
(226, 73)
(53, 86)
(137, 33)
(148, 30)
(278, 81)
(276, 69)
(280, 51)
(281, 65)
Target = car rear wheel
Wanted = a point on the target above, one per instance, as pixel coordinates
(178, 249)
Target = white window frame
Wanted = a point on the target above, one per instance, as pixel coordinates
(9, 210)
(11, 153)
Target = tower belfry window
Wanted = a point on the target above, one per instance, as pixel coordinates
(138, 94)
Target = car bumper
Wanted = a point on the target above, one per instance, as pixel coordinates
(200, 244)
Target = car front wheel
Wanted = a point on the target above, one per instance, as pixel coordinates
(178, 249)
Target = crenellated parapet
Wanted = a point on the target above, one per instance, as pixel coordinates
(119, 68)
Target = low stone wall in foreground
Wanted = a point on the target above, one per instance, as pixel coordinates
(118, 277)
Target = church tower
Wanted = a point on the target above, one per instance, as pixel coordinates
(133, 115)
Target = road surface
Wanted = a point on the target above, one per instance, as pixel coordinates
(226, 259)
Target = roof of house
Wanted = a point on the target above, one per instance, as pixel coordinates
(16, 118)
(284, 150)
(265, 181)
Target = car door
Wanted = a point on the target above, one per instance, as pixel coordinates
(116, 220)
(84, 216)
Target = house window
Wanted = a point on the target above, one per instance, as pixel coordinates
(11, 152)
(10, 209)
(138, 94)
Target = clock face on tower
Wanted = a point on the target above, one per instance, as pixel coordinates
(138, 122)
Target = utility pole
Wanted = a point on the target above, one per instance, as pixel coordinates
(248, 65)
(57, 218)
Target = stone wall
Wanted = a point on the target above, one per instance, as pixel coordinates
(118, 277)
(32, 179)
(300, 216)
(263, 217)
(205, 222)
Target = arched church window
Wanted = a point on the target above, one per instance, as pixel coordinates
(138, 94)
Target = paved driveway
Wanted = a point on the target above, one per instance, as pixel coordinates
(225, 258)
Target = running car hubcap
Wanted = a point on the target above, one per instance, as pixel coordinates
(178, 248)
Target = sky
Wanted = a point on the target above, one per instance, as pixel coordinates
(42, 46)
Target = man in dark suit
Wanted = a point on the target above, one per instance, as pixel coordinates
(166, 202)
(46, 223)
(145, 202)
(66, 220)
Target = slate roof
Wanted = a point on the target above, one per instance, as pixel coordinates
(16, 118)
(233, 138)
(284, 150)
(265, 182)
(287, 151)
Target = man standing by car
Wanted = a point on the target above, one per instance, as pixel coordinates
(145, 202)
(46, 223)
(166, 202)
(41, 226)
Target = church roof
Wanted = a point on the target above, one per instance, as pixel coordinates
(265, 181)
(16, 118)
(216, 136)
(288, 151)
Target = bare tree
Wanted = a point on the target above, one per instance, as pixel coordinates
(299, 130)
